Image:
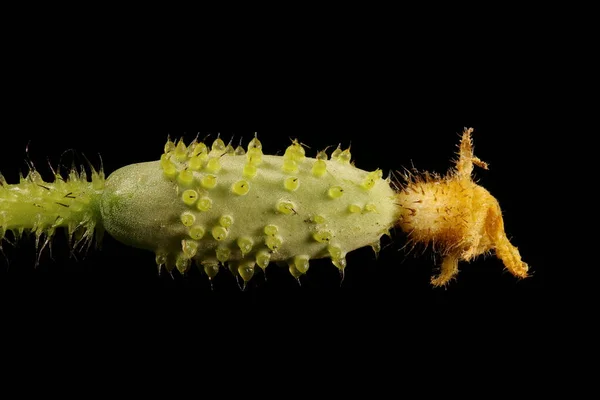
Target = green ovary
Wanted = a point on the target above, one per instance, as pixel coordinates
(146, 206)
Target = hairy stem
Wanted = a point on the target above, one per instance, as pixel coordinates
(40, 207)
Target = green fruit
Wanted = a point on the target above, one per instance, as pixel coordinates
(292, 208)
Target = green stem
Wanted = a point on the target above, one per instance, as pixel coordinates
(40, 207)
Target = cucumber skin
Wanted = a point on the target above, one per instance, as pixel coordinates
(142, 207)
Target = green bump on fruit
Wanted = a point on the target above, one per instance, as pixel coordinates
(161, 259)
(336, 153)
(188, 219)
(344, 157)
(208, 181)
(295, 152)
(196, 232)
(197, 162)
(213, 165)
(274, 242)
(223, 254)
(340, 263)
(335, 252)
(286, 207)
(241, 188)
(246, 270)
(354, 208)
(239, 151)
(318, 219)
(219, 233)
(322, 156)
(370, 207)
(289, 166)
(204, 204)
(335, 192)
(245, 244)
(189, 247)
(323, 236)
(182, 263)
(263, 258)
(371, 179)
(211, 270)
(180, 151)
(291, 183)
(168, 168)
(255, 144)
(301, 263)
(230, 150)
(271, 230)
(199, 148)
(254, 156)
(169, 146)
(319, 168)
(226, 221)
(294, 271)
(189, 197)
(338, 257)
(185, 177)
(218, 146)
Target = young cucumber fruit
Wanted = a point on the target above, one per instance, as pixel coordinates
(224, 206)
(217, 205)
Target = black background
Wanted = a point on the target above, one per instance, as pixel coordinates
(398, 102)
